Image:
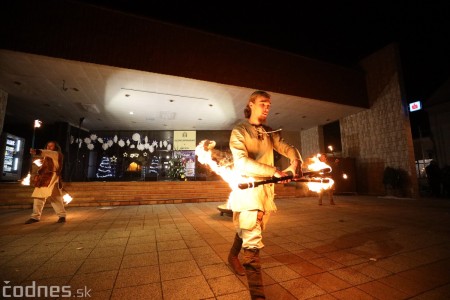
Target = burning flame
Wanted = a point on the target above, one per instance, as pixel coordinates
(207, 155)
(67, 198)
(317, 165)
(220, 164)
(26, 180)
(38, 162)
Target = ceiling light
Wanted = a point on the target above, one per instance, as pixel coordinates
(131, 113)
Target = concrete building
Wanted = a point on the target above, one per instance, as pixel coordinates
(374, 130)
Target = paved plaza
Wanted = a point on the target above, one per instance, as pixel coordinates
(361, 248)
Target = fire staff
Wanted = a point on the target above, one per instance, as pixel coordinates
(252, 144)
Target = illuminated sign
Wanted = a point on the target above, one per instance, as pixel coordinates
(415, 106)
(184, 140)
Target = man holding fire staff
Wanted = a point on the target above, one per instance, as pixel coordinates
(252, 144)
(48, 184)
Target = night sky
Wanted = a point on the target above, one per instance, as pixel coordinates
(340, 32)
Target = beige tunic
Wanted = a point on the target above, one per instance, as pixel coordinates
(252, 150)
(53, 188)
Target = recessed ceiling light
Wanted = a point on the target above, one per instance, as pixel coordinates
(210, 105)
(171, 100)
(127, 95)
(131, 113)
(200, 119)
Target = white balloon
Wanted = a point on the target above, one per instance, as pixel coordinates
(136, 137)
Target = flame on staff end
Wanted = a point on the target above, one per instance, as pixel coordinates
(37, 123)
(317, 165)
(26, 180)
(67, 198)
(221, 165)
(38, 162)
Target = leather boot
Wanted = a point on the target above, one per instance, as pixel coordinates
(233, 256)
(252, 266)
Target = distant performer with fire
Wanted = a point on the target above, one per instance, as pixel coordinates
(252, 144)
(48, 183)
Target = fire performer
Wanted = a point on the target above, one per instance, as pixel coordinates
(49, 184)
(252, 144)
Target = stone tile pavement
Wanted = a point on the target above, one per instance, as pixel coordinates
(362, 248)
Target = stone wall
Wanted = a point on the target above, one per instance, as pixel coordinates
(380, 136)
(312, 141)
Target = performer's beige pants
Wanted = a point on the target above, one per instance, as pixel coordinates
(249, 226)
(56, 202)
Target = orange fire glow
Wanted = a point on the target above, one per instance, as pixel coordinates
(317, 165)
(26, 180)
(222, 166)
(205, 154)
(67, 198)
